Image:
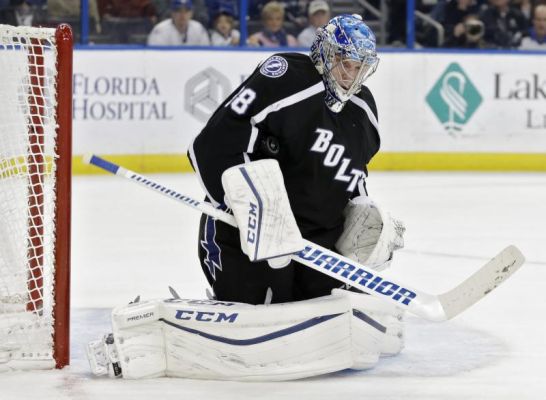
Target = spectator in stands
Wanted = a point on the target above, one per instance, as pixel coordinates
(223, 32)
(453, 16)
(471, 36)
(537, 33)
(295, 12)
(319, 15)
(69, 10)
(180, 29)
(525, 6)
(504, 24)
(7, 12)
(200, 9)
(21, 13)
(273, 33)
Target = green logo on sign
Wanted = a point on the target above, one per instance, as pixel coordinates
(454, 98)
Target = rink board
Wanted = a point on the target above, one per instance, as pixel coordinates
(437, 111)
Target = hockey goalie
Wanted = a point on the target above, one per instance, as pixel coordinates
(282, 162)
(283, 177)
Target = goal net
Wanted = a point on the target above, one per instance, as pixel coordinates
(35, 162)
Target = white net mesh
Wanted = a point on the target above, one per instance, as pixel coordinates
(27, 182)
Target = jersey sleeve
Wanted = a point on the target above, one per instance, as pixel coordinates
(232, 132)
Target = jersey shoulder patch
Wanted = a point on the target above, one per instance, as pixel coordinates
(274, 67)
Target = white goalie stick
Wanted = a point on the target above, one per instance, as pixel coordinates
(440, 307)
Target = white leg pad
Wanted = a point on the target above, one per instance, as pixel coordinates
(378, 328)
(208, 339)
(142, 351)
(217, 340)
(139, 339)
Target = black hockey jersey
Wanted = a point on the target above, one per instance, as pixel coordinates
(279, 112)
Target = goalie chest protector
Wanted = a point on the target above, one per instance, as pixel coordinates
(279, 112)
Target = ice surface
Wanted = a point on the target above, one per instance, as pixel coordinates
(128, 241)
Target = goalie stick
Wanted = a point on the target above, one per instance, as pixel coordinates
(440, 307)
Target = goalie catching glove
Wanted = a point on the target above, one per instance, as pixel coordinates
(256, 194)
(370, 235)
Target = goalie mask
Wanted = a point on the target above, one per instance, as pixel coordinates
(344, 54)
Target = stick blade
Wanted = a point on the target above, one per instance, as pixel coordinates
(482, 282)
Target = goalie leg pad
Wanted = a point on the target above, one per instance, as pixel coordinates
(207, 339)
(377, 328)
(139, 339)
(136, 349)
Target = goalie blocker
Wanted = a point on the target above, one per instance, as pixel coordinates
(209, 339)
(256, 194)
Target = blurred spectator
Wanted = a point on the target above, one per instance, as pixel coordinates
(504, 24)
(273, 33)
(454, 14)
(180, 29)
(61, 10)
(214, 6)
(200, 9)
(319, 15)
(23, 13)
(537, 33)
(471, 36)
(222, 32)
(295, 12)
(525, 6)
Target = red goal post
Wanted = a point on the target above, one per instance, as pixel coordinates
(35, 196)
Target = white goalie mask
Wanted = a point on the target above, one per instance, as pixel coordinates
(344, 54)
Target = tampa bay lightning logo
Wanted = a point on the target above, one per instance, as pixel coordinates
(212, 259)
(274, 67)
